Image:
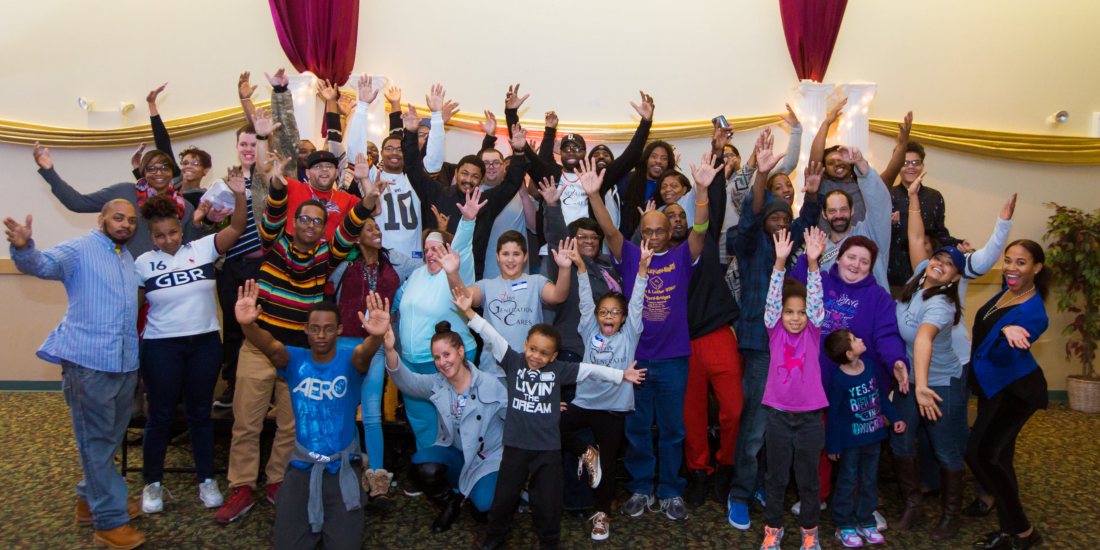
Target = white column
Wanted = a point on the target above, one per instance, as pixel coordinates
(309, 111)
(852, 126)
(809, 103)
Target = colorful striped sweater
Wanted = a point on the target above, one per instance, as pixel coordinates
(291, 280)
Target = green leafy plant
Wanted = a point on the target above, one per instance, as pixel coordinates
(1074, 255)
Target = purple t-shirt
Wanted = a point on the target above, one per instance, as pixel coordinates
(664, 316)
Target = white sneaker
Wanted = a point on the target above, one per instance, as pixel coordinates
(152, 498)
(880, 522)
(210, 495)
(797, 508)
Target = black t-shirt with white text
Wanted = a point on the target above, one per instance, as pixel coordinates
(534, 402)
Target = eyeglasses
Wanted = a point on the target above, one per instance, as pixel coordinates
(494, 164)
(728, 155)
(914, 162)
(306, 220)
(654, 232)
(157, 168)
(571, 149)
(196, 164)
(391, 149)
(315, 330)
(609, 313)
(421, 134)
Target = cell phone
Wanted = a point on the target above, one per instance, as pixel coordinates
(720, 122)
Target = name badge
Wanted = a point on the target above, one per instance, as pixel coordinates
(546, 376)
(522, 285)
(597, 342)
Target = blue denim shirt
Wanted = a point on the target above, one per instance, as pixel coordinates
(99, 329)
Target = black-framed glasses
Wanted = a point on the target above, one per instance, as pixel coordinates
(914, 162)
(609, 313)
(307, 220)
(157, 168)
(494, 164)
(571, 149)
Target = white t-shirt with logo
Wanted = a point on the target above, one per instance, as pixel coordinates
(180, 290)
(401, 220)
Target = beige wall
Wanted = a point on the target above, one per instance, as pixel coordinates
(1002, 65)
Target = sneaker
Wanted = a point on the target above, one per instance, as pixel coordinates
(411, 492)
(772, 538)
(601, 526)
(849, 538)
(738, 516)
(696, 493)
(871, 534)
(210, 495)
(240, 501)
(880, 522)
(809, 539)
(797, 508)
(637, 504)
(225, 401)
(524, 503)
(673, 508)
(760, 494)
(272, 489)
(152, 498)
(590, 460)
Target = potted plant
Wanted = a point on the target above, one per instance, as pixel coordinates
(1074, 255)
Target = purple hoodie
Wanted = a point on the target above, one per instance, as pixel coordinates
(865, 309)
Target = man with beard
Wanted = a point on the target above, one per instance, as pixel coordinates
(839, 215)
(96, 345)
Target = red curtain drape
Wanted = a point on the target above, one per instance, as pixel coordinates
(318, 36)
(811, 27)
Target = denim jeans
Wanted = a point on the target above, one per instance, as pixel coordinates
(660, 397)
(373, 385)
(943, 434)
(100, 404)
(795, 439)
(748, 473)
(856, 495)
(185, 367)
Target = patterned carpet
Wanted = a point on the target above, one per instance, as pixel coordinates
(1056, 460)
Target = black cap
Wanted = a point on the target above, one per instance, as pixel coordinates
(317, 157)
(573, 138)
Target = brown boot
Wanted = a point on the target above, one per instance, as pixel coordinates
(84, 511)
(119, 538)
(908, 472)
(379, 489)
(952, 482)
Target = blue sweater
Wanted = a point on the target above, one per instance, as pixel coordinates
(856, 410)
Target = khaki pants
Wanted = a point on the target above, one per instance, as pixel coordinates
(256, 380)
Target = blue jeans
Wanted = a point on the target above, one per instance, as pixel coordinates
(421, 413)
(100, 404)
(660, 397)
(747, 470)
(943, 434)
(184, 367)
(481, 495)
(857, 471)
(373, 385)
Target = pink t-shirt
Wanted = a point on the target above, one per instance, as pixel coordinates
(794, 374)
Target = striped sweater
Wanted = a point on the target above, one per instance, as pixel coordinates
(291, 280)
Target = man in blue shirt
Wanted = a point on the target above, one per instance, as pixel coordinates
(320, 503)
(96, 345)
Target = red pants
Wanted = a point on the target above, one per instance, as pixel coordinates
(715, 361)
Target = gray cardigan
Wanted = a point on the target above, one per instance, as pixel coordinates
(142, 241)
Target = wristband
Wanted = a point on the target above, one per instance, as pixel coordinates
(701, 227)
(704, 203)
(261, 138)
(917, 210)
(279, 89)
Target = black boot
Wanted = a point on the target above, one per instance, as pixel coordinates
(431, 479)
(450, 503)
(696, 493)
(908, 472)
(951, 521)
(723, 480)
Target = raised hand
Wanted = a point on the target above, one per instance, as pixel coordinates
(371, 188)
(914, 188)
(410, 119)
(815, 242)
(377, 318)
(152, 97)
(551, 119)
(1008, 208)
(512, 100)
(518, 139)
(647, 257)
(441, 219)
(18, 235)
(366, 90)
(275, 163)
(280, 78)
(765, 158)
(247, 310)
(328, 91)
(704, 174)
(449, 260)
(234, 180)
(790, 118)
(904, 127)
(836, 112)
(450, 109)
(244, 88)
(645, 110)
(393, 96)
(489, 125)
(720, 139)
(926, 399)
(201, 212)
(853, 156)
(550, 191)
(562, 254)
(634, 375)
(1017, 336)
(590, 179)
(361, 171)
(434, 99)
(814, 171)
(462, 299)
(135, 159)
(783, 244)
(472, 206)
(42, 156)
(346, 104)
(650, 205)
(264, 124)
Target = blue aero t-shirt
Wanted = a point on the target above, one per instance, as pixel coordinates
(325, 398)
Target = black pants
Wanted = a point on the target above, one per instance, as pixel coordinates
(342, 529)
(544, 469)
(607, 427)
(991, 448)
(233, 274)
(793, 438)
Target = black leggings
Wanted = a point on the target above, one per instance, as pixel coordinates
(991, 448)
(607, 428)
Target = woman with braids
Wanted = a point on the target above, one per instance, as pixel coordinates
(1010, 387)
(181, 349)
(644, 183)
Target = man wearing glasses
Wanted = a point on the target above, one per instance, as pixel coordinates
(292, 279)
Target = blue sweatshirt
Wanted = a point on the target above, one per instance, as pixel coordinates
(856, 410)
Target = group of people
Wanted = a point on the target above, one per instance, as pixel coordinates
(558, 300)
